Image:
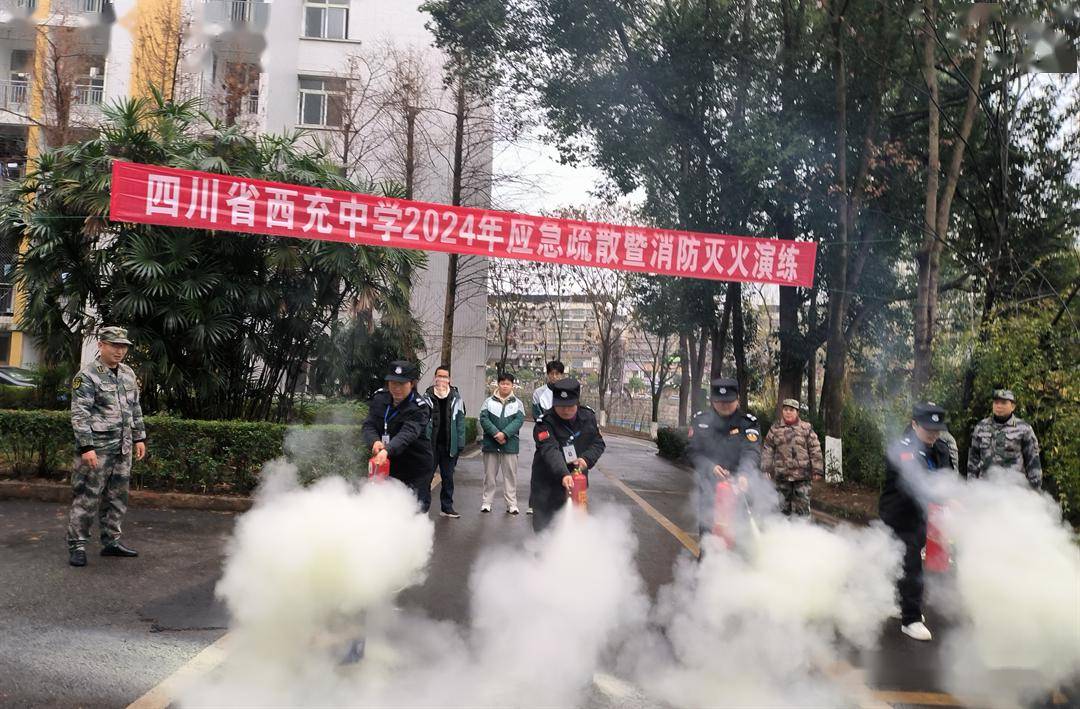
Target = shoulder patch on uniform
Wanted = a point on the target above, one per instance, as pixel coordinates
(752, 434)
(750, 417)
(583, 406)
(540, 419)
(543, 435)
(101, 369)
(423, 401)
(76, 382)
(703, 425)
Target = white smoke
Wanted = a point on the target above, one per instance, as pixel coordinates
(303, 567)
(542, 620)
(1016, 591)
(762, 627)
(312, 570)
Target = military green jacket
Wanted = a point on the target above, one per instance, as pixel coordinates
(105, 410)
(1010, 445)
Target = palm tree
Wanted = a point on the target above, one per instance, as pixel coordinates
(225, 324)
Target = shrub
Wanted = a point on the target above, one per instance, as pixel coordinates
(471, 428)
(189, 455)
(671, 443)
(346, 412)
(864, 447)
(13, 397)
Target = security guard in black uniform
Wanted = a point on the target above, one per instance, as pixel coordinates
(918, 454)
(566, 437)
(396, 427)
(724, 443)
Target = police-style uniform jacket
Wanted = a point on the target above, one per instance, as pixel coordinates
(409, 449)
(105, 411)
(549, 466)
(731, 442)
(899, 507)
(1008, 444)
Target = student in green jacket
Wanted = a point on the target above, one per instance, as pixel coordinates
(501, 417)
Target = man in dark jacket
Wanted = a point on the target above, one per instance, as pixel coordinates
(723, 445)
(446, 431)
(396, 427)
(566, 437)
(910, 462)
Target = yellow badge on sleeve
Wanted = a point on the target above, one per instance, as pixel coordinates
(751, 436)
(76, 382)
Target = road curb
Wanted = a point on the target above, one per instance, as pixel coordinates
(61, 492)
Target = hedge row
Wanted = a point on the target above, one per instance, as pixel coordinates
(191, 456)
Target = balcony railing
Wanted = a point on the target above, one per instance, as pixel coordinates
(88, 95)
(88, 7)
(237, 12)
(14, 94)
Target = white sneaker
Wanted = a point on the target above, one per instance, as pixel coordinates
(916, 631)
(528, 511)
(485, 508)
(512, 511)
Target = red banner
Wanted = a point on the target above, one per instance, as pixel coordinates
(149, 194)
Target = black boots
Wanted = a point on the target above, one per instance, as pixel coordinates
(77, 556)
(118, 549)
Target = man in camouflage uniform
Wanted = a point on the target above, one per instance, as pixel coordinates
(791, 457)
(1005, 441)
(108, 424)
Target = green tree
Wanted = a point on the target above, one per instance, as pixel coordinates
(225, 324)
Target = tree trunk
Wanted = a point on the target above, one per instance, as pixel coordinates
(697, 398)
(937, 208)
(455, 200)
(410, 150)
(792, 359)
(836, 346)
(811, 360)
(684, 377)
(738, 343)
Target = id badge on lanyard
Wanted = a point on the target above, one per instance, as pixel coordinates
(387, 417)
(569, 452)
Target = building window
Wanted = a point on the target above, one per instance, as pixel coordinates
(326, 19)
(89, 87)
(321, 101)
(5, 347)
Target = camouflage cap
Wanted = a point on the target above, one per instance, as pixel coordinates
(1005, 395)
(793, 403)
(115, 335)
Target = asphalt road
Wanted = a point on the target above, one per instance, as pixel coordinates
(105, 634)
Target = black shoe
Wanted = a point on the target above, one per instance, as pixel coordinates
(451, 513)
(77, 556)
(118, 549)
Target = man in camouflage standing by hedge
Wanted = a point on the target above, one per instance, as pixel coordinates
(108, 424)
(791, 456)
(1004, 441)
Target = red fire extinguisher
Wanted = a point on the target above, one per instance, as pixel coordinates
(936, 553)
(378, 472)
(724, 513)
(579, 495)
